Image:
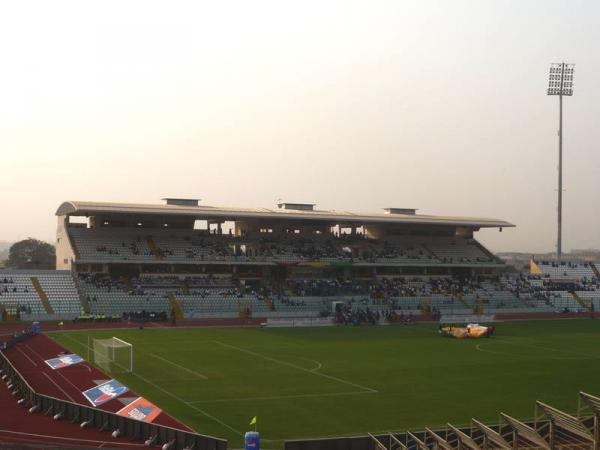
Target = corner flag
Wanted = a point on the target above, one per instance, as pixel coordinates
(253, 421)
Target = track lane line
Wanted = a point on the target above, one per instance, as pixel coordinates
(58, 386)
(18, 347)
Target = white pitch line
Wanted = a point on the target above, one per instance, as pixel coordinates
(294, 366)
(204, 377)
(550, 349)
(280, 397)
(176, 397)
(318, 363)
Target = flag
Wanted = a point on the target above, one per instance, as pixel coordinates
(60, 324)
(253, 421)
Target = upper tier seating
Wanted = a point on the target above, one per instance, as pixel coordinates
(120, 244)
(568, 270)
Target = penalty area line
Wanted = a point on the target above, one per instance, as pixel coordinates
(193, 372)
(294, 366)
(281, 397)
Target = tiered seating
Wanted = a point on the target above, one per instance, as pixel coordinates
(400, 251)
(494, 298)
(564, 300)
(146, 244)
(109, 297)
(568, 270)
(185, 246)
(17, 291)
(111, 244)
(115, 302)
(593, 296)
(451, 250)
(219, 303)
(61, 291)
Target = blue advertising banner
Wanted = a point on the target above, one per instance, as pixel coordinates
(105, 392)
(64, 361)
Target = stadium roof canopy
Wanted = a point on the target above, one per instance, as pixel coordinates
(202, 212)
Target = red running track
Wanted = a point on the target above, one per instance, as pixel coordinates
(17, 425)
(68, 383)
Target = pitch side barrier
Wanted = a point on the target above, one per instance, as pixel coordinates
(102, 420)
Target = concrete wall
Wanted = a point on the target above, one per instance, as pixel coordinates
(64, 250)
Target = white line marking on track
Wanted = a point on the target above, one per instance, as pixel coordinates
(47, 436)
(199, 375)
(294, 366)
(58, 386)
(281, 397)
(56, 371)
(26, 356)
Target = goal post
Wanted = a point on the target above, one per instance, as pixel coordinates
(113, 355)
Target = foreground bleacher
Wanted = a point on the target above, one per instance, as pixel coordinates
(552, 429)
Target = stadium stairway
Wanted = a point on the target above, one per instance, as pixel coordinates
(595, 270)
(585, 303)
(154, 248)
(175, 305)
(463, 301)
(269, 303)
(42, 295)
(485, 251)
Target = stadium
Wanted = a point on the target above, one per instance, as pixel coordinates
(182, 325)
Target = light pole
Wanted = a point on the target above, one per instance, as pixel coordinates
(560, 82)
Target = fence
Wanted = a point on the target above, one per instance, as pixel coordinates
(103, 420)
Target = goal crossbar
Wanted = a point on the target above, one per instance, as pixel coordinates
(107, 355)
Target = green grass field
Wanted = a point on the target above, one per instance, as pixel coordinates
(316, 382)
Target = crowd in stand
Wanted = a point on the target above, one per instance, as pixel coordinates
(357, 316)
(383, 295)
(6, 288)
(216, 245)
(144, 316)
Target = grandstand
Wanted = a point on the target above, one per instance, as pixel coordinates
(121, 254)
(185, 259)
(188, 260)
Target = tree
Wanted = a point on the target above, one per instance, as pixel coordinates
(31, 254)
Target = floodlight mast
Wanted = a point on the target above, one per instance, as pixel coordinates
(560, 82)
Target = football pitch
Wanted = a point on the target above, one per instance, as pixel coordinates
(317, 382)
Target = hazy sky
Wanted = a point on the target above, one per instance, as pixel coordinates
(436, 105)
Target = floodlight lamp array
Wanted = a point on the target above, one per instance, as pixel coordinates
(560, 79)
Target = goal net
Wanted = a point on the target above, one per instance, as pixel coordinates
(113, 355)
